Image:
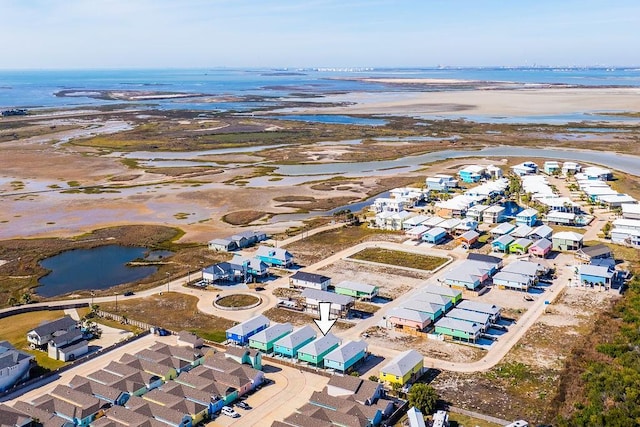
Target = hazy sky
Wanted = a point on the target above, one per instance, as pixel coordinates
(324, 33)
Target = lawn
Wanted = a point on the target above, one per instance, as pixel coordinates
(237, 300)
(399, 259)
(14, 329)
(173, 311)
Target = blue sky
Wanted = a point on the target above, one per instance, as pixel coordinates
(322, 33)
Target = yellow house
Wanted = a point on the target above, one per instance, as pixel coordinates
(403, 368)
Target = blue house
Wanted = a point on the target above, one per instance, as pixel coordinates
(435, 235)
(502, 243)
(241, 332)
(345, 356)
(274, 256)
(527, 217)
(288, 346)
(594, 275)
(471, 174)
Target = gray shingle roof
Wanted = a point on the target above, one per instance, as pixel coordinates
(310, 277)
(60, 324)
(403, 363)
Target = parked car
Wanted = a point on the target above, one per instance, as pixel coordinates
(243, 405)
(128, 293)
(229, 412)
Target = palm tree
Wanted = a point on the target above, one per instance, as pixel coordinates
(26, 298)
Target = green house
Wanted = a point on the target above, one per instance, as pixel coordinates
(265, 339)
(315, 351)
(356, 290)
(520, 246)
(454, 295)
(458, 329)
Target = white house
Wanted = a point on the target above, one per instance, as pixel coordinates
(14, 365)
(302, 279)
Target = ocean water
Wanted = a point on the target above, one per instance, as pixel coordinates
(37, 89)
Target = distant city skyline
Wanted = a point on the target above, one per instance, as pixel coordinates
(49, 34)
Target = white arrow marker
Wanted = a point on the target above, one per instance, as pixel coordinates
(324, 324)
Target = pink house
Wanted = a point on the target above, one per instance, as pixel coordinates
(409, 319)
(540, 248)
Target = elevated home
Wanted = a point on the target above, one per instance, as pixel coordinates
(392, 220)
(302, 279)
(627, 224)
(492, 310)
(14, 365)
(490, 260)
(631, 211)
(502, 229)
(481, 319)
(527, 217)
(435, 235)
(40, 336)
(559, 204)
(541, 248)
(594, 275)
(289, 345)
(472, 173)
(454, 295)
(567, 241)
(248, 238)
(414, 221)
(506, 280)
(277, 257)
(406, 318)
(465, 225)
(253, 267)
(340, 304)
(463, 279)
(458, 329)
(403, 368)
(551, 167)
(450, 225)
(468, 239)
(441, 300)
(588, 253)
(597, 173)
(626, 237)
(493, 214)
(451, 181)
(356, 289)
(241, 332)
(385, 204)
(541, 232)
(613, 201)
(502, 243)
(346, 356)
(434, 311)
(525, 168)
(224, 271)
(417, 232)
(410, 195)
(570, 168)
(265, 339)
(475, 212)
(521, 231)
(432, 221)
(455, 207)
(315, 351)
(488, 190)
(561, 218)
(530, 269)
(222, 245)
(520, 246)
(494, 172)
(441, 183)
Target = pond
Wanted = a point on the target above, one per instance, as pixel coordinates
(96, 268)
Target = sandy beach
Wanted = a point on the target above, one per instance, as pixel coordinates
(523, 102)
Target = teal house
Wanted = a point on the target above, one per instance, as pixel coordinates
(527, 217)
(345, 356)
(502, 243)
(315, 351)
(265, 339)
(289, 345)
(274, 256)
(458, 329)
(432, 310)
(435, 299)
